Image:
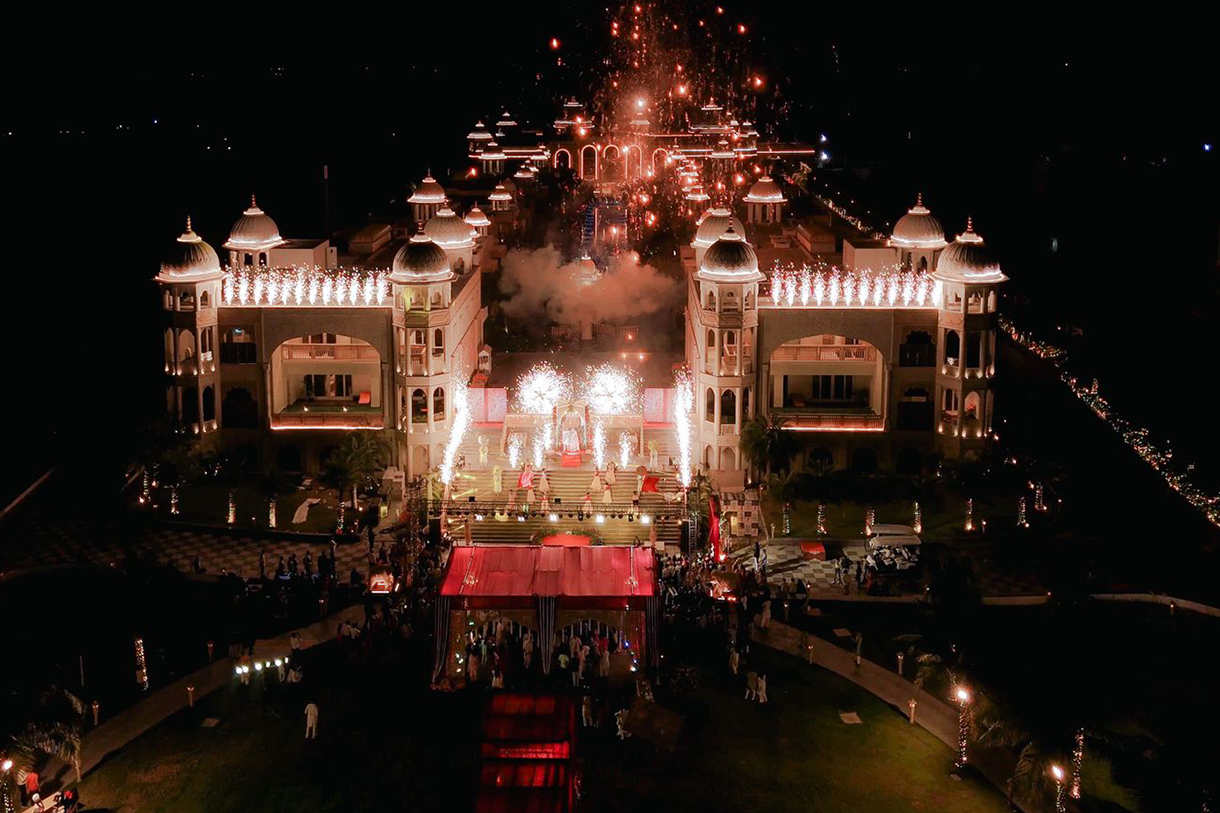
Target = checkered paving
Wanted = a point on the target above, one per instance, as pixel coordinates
(42, 534)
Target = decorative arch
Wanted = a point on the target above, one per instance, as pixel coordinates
(588, 153)
(209, 403)
(876, 328)
(565, 163)
(728, 458)
(612, 164)
(710, 413)
(728, 407)
(186, 345)
(659, 157)
(634, 167)
(438, 403)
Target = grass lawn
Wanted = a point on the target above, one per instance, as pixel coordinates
(208, 503)
(386, 742)
(793, 753)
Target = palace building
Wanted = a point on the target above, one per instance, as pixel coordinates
(876, 350)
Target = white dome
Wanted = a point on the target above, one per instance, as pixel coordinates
(479, 133)
(730, 259)
(697, 194)
(506, 120)
(764, 190)
(449, 231)
(500, 193)
(254, 231)
(713, 223)
(190, 259)
(918, 229)
(421, 260)
(723, 151)
(967, 259)
(492, 152)
(428, 191)
(475, 217)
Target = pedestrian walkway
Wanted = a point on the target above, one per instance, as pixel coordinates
(129, 724)
(932, 714)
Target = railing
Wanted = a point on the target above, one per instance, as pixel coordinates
(339, 352)
(806, 422)
(326, 420)
(824, 352)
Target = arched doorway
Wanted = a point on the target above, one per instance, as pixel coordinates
(563, 159)
(612, 164)
(633, 161)
(915, 410)
(588, 163)
(239, 410)
(659, 158)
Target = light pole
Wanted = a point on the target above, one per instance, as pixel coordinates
(962, 695)
(1057, 773)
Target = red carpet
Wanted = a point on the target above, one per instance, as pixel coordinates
(571, 460)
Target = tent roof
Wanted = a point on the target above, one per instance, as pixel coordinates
(530, 570)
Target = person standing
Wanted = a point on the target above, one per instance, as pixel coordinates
(751, 685)
(311, 721)
(765, 621)
(32, 786)
(262, 565)
(586, 711)
(527, 649)
(604, 661)
(762, 688)
(734, 659)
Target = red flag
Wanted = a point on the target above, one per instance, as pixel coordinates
(713, 532)
(650, 484)
(526, 480)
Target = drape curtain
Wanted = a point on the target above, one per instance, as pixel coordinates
(441, 630)
(546, 630)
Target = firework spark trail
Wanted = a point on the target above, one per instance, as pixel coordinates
(828, 286)
(612, 390)
(599, 445)
(457, 430)
(515, 442)
(684, 407)
(625, 445)
(541, 389)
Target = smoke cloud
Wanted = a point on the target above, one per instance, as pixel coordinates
(538, 281)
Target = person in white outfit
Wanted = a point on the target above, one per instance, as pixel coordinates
(610, 473)
(605, 662)
(762, 688)
(607, 495)
(311, 721)
(527, 648)
(734, 660)
(595, 486)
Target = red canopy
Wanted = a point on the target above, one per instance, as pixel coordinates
(529, 570)
(566, 540)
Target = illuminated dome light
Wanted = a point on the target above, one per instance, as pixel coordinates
(449, 231)
(479, 133)
(697, 194)
(525, 173)
(713, 224)
(640, 123)
(506, 120)
(190, 259)
(254, 231)
(764, 190)
(711, 107)
(918, 229)
(421, 260)
(476, 218)
(748, 130)
(730, 259)
(500, 193)
(492, 152)
(967, 260)
(572, 104)
(723, 151)
(428, 192)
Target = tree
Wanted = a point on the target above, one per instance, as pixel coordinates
(767, 445)
(357, 459)
(52, 726)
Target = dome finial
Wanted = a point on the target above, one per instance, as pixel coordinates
(919, 198)
(969, 225)
(188, 223)
(253, 202)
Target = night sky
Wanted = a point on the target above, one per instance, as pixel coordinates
(1088, 131)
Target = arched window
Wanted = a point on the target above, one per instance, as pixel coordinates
(209, 404)
(745, 404)
(953, 348)
(419, 407)
(728, 407)
(711, 404)
(711, 299)
(438, 403)
(951, 401)
(923, 263)
(707, 456)
(169, 299)
(728, 460)
(749, 299)
(711, 339)
(438, 342)
(240, 410)
(917, 350)
(186, 300)
(991, 301)
(205, 300)
(972, 406)
(169, 349)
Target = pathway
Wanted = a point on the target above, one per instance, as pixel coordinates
(129, 724)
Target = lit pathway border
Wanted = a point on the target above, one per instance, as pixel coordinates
(118, 731)
(933, 715)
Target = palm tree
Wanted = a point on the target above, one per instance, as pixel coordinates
(357, 459)
(766, 444)
(52, 726)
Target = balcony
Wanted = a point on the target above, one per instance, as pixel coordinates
(824, 352)
(324, 415)
(329, 352)
(829, 419)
